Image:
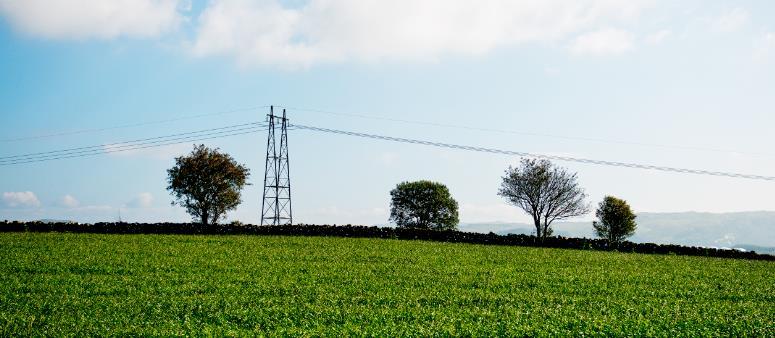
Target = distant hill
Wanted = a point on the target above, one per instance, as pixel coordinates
(748, 230)
(46, 220)
(757, 248)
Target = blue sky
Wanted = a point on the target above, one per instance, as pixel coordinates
(672, 76)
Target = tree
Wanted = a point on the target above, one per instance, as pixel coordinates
(615, 220)
(207, 183)
(424, 205)
(546, 192)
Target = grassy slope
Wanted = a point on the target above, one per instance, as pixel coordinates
(159, 284)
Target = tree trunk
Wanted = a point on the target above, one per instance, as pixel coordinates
(204, 217)
(537, 223)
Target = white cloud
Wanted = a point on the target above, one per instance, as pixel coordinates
(731, 21)
(658, 37)
(270, 32)
(20, 199)
(102, 19)
(606, 41)
(142, 200)
(70, 201)
(264, 32)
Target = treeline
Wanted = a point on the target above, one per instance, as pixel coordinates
(451, 236)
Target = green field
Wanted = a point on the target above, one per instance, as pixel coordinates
(57, 284)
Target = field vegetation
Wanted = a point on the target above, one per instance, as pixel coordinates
(91, 284)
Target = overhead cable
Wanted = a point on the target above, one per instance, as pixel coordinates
(513, 132)
(533, 155)
(204, 132)
(140, 124)
(159, 143)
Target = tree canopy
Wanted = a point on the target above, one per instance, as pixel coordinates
(546, 192)
(615, 220)
(423, 204)
(207, 183)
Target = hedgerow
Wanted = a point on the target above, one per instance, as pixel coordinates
(376, 232)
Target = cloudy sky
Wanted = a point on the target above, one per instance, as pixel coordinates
(684, 84)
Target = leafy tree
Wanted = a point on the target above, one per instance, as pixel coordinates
(207, 183)
(615, 220)
(546, 192)
(423, 204)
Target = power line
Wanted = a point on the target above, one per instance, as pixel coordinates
(251, 127)
(159, 143)
(84, 131)
(503, 131)
(381, 118)
(197, 133)
(550, 157)
(116, 148)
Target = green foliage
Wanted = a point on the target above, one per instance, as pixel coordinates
(207, 183)
(423, 204)
(547, 192)
(615, 220)
(173, 285)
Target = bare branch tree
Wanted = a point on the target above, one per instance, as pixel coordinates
(546, 192)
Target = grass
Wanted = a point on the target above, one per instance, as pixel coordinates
(78, 284)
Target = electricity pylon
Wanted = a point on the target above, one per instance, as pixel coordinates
(276, 207)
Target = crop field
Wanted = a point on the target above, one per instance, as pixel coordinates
(82, 284)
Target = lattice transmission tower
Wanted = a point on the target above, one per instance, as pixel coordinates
(276, 207)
